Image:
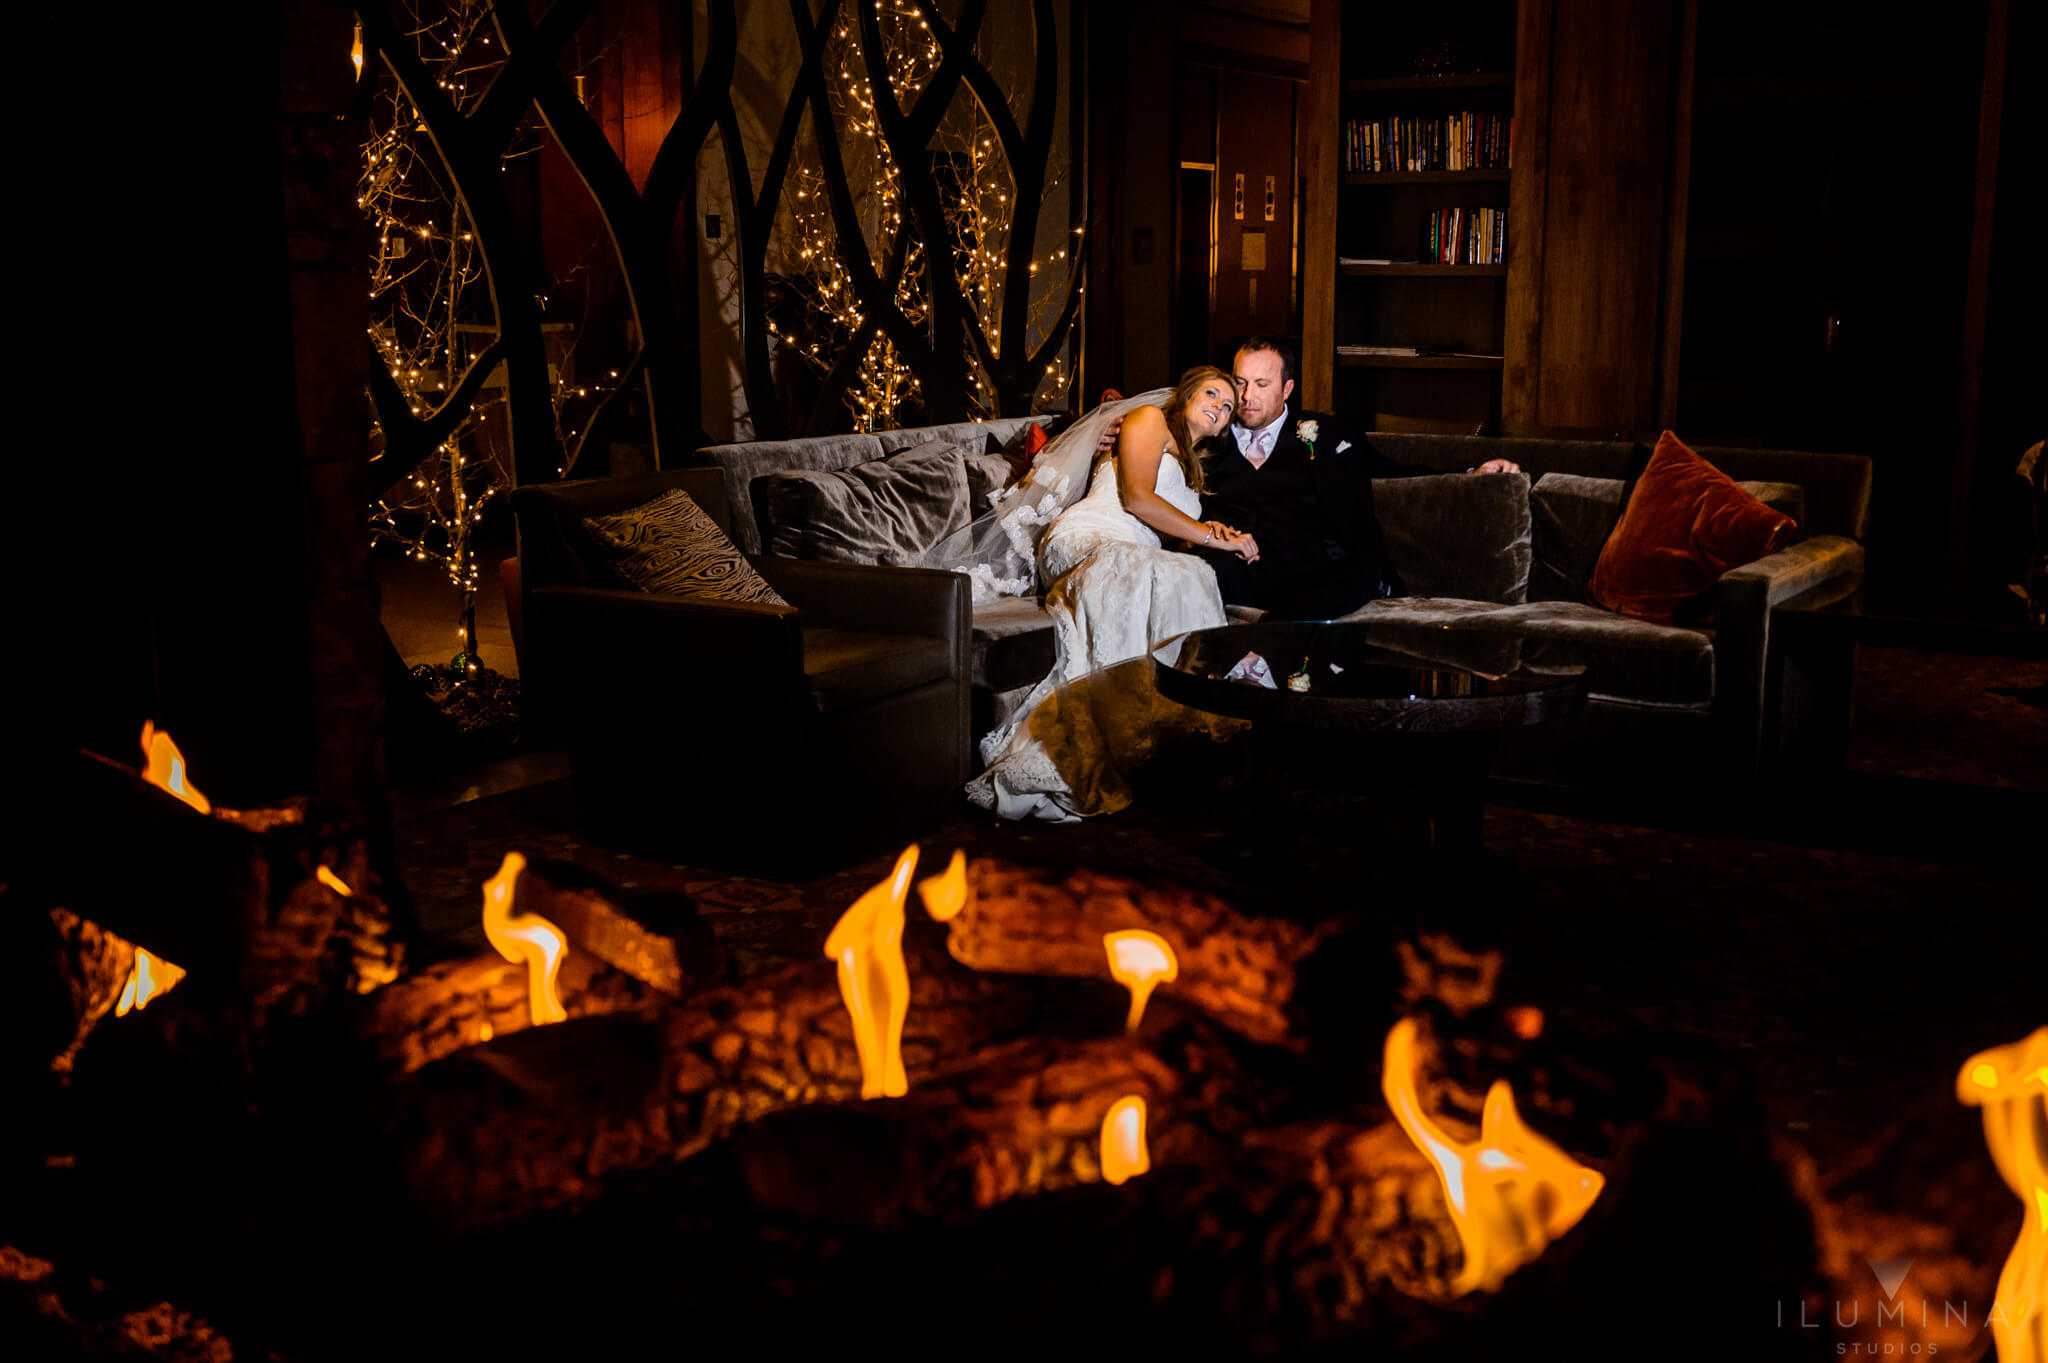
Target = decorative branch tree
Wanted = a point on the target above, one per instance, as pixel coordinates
(445, 432)
(916, 289)
(982, 305)
(425, 263)
(933, 286)
(471, 136)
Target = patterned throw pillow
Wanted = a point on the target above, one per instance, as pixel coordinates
(669, 547)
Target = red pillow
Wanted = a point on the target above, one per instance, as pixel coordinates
(1034, 440)
(1686, 523)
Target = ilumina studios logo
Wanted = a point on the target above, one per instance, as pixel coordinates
(1946, 1318)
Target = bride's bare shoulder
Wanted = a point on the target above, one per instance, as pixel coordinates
(1145, 423)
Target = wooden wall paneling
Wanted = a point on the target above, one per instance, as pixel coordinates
(1962, 469)
(1528, 155)
(1102, 328)
(1320, 162)
(1586, 361)
(1604, 226)
(1677, 204)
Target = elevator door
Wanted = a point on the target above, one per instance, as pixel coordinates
(1255, 256)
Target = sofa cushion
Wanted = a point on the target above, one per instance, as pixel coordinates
(671, 548)
(1625, 659)
(988, 473)
(749, 464)
(1457, 535)
(1013, 644)
(965, 434)
(889, 510)
(852, 667)
(1787, 499)
(1685, 524)
(1570, 518)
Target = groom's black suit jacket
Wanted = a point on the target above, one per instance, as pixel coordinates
(1315, 503)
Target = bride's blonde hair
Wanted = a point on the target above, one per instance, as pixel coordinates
(1176, 409)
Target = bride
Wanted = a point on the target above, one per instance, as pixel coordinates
(1113, 592)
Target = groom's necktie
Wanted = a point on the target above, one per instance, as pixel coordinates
(1260, 447)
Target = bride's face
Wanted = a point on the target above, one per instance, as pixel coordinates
(1208, 412)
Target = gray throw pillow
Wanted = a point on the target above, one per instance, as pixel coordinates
(1461, 535)
(987, 474)
(1788, 498)
(889, 510)
(671, 548)
(1572, 515)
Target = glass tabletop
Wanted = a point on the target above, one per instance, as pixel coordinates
(1330, 671)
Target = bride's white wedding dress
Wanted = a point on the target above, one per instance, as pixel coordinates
(1114, 593)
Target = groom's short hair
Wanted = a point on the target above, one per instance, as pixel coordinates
(1254, 344)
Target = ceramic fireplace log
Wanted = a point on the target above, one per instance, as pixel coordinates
(1020, 1120)
(452, 1005)
(539, 1118)
(1240, 971)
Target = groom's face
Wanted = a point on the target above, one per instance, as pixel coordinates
(1262, 387)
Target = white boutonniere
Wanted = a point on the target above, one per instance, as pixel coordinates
(1308, 431)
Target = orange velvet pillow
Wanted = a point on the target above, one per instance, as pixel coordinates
(1034, 440)
(1686, 523)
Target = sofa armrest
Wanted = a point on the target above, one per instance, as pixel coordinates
(599, 656)
(1824, 560)
(877, 599)
(873, 598)
(1742, 603)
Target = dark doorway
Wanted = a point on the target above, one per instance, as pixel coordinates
(1194, 264)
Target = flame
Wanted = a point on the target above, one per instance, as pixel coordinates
(332, 882)
(1124, 1155)
(529, 938)
(1139, 960)
(1511, 1192)
(868, 944)
(164, 766)
(151, 976)
(2011, 1084)
(945, 894)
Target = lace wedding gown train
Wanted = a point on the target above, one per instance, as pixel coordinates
(1115, 592)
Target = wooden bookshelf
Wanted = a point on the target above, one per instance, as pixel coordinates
(1472, 81)
(1418, 271)
(1475, 363)
(1424, 177)
(1357, 81)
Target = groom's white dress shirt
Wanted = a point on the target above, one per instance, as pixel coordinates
(1257, 446)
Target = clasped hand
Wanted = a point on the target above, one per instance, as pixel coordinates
(1234, 541)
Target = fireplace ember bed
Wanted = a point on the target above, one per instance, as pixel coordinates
(317, 1145)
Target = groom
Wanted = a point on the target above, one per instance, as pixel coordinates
(1301, 484)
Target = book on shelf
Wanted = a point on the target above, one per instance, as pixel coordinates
(1378, 350)
(1462, 141)
(1466, 236)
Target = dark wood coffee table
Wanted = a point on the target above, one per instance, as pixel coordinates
(1394, 709)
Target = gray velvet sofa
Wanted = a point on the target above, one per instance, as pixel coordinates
(1507, 556)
